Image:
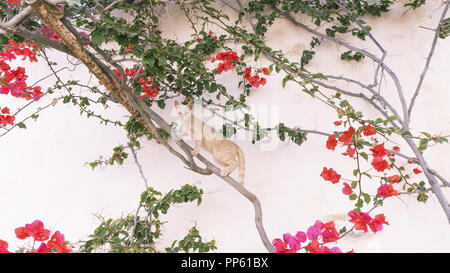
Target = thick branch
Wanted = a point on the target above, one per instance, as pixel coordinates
(140, 111)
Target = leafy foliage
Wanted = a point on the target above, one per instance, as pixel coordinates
(139, 233)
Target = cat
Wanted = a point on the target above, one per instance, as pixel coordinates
(226, 152)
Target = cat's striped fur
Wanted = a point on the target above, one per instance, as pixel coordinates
(226, 152)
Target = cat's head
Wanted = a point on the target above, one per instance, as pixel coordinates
(182, 110)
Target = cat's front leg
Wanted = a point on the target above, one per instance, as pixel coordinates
(197, 145)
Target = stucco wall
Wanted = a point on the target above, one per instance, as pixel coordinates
(43, 176)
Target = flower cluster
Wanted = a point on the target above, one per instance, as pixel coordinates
(25, 49)
(148, 90)
(330, 175)
(363, 220)
(15, 2)
(378, 153)
(255, 80)
(13, 81)
(326, 233)
(228, 57)
(36, 230)
(5, 118)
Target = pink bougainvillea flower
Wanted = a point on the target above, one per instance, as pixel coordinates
(330, 175)
(331, 142)
(347, 190)
(43, 248)
(36, 230)
(57, 242)
(292, 241)
(347, 136)
(386, 190)
(315, 231)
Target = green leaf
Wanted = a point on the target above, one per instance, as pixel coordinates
(21, 125)
(366, 197)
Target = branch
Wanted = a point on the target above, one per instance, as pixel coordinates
(141, 112)
(427, 64)
(394, 77)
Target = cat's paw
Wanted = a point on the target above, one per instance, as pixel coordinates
(223, 173)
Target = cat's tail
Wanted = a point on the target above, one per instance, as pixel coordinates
(241, 162)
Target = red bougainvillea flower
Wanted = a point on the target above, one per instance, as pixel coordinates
(396, 148)
(361, 220)
(379, 150)
(347, 190)
(12, 2)
(5, 111)
(3, 247)
(228, 58)
(265, 71)
(331, 142)
(380, 164)
(35, 230)
(57, 242)
(337, 123)
(281, 247)
(329, 233)
(254, 80)
(368, 130)
(22, 233)
(5, 118)
(350, 152)
(330, 175)
(347, 136)
(417, 171)
(376, 224)
(394, 179)
(386, 190)
(315, 247)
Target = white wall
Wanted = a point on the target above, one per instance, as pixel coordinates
(43, 175)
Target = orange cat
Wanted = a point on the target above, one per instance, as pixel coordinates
(226, 152)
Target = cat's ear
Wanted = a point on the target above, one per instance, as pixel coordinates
(176, 103)
(190, 105)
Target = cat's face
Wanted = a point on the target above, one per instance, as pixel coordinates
(182, 110)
